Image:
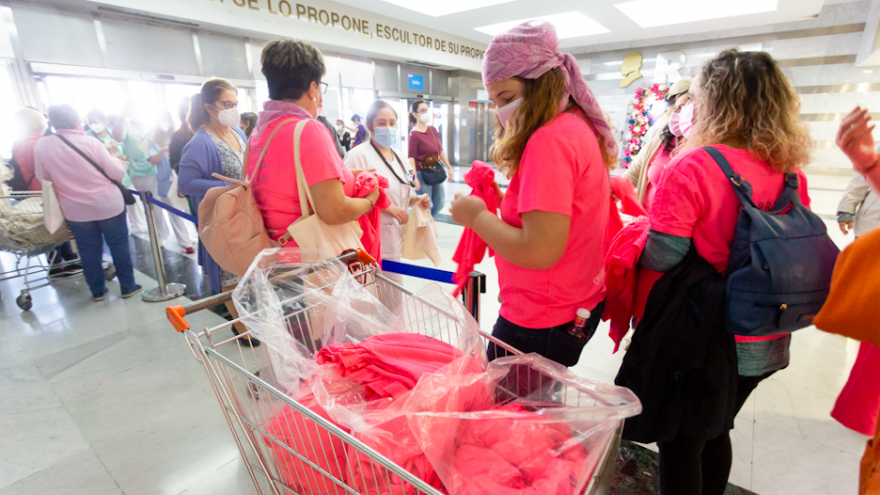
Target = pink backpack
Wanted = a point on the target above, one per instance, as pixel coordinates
(230, 223)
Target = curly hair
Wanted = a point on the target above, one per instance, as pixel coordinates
(745, 98)
(540, 104)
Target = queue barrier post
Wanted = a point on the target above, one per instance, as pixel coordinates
(471, 294)
(164, 291)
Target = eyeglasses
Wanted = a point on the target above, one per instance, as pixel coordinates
(324, 87)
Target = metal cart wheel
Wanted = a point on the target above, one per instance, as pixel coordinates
(24, 301)
(109, 272)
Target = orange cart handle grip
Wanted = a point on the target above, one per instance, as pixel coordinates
(175, 316)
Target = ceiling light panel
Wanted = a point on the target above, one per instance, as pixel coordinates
(654, 13)
(435, 8)
(568, 25)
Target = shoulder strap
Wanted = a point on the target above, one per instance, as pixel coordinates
(262, 153)
(85, 157)
(437, 144)
(742, 192)
(789, 195)
(305, 194)
(390, 167)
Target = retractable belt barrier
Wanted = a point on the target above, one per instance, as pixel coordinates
(166, 291)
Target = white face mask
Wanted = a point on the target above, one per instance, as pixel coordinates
(97, 128)
(426, 118)
(229, 117)
(504, 113)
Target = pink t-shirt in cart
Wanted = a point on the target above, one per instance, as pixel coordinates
(275, 186)
(562, 172)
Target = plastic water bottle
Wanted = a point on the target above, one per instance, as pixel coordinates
(578, 331)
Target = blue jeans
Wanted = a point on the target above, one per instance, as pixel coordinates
(90, 238)
(437, 193)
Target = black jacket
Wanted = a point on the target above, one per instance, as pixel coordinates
(681, 362)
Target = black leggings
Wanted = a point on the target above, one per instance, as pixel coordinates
(695, 466)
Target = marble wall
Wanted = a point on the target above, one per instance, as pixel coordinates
(817, 55)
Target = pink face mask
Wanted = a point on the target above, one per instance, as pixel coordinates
(675, 124)
(506, 111)
(686, 120)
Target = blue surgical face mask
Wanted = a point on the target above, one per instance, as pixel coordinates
(385, 137)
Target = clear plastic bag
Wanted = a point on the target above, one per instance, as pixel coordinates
(490, 433)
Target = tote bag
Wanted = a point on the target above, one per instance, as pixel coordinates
(310, 233)
(52, 216)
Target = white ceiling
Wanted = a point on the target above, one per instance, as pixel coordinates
(621, 27)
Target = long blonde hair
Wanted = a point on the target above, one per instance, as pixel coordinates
(541, 99)
(744, 97)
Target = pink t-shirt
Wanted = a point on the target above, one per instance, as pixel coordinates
(275, 187)
(695, 199)
(655, 170)
(562, 172)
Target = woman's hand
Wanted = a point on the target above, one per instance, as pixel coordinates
(417, 185)
(855, 139)
(398, 214)
(357, 171)
(465, 209)
(373, 196)
(845, 227)
(423, 202)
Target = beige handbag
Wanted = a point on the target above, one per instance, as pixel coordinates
(313, 236)
(420, 240)
(52, 216)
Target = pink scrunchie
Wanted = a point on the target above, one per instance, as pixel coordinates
(530, 51)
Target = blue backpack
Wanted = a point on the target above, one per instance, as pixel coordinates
(779, 272)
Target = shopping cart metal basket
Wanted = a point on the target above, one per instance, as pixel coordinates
(23, 233)
(249, 402)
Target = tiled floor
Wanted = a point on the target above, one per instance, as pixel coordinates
(104, 398)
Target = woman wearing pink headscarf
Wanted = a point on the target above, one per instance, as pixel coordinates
(556, 148)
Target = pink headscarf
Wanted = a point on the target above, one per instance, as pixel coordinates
(530, 51)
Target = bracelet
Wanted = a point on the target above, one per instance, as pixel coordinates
(372, 204)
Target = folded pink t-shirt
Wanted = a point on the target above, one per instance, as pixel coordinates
(275, 186)
(695, 200)
(562, 172)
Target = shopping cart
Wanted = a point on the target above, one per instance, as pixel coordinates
(23, 233)
(250, 402)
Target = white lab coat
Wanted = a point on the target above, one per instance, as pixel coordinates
(366, 157)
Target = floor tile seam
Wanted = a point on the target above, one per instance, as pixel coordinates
(752, 461)
(106, 469)
(812, 441)
(38, 471)
(86, 357)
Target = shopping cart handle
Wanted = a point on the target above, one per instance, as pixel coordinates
(175, 316)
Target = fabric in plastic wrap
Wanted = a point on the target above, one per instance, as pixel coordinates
(483, 438)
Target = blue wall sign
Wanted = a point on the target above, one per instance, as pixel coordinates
(415, 82)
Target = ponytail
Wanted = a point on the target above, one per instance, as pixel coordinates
(414, 112)
(209, 94)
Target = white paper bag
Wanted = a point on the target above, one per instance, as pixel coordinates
(420, 240)
(52, 216)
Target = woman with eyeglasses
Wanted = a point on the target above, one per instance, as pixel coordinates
(217, 147)
(293, 70)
